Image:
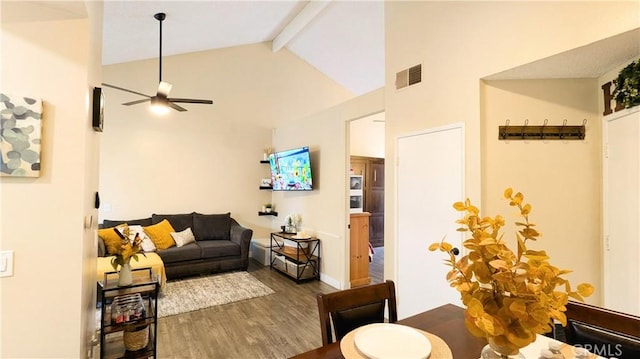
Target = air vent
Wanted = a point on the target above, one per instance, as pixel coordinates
(408, 77)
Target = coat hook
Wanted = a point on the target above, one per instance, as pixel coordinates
(542, 129)
(564, 123)
(526, 122)
(582, 130)
(504, 132)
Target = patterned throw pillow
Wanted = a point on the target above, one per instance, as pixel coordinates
(184, 237)
(147, 244)
(112, 241)
(160, 234)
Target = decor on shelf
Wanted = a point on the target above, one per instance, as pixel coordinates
(129, 248)
(20, 136)
(292, 222)
(509, 297)
(268, 207)
(627, 91)
(266, 153)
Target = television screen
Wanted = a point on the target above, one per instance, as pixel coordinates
(291, 170)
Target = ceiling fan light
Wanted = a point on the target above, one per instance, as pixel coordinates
(158, 106)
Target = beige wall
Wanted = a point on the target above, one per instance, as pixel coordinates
(560, 179)
(458, 44)
(46, 306)
(325, 210)
(366, 136)
(205, 159)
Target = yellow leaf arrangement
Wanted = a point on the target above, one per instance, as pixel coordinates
(510, 297)
(128, 249)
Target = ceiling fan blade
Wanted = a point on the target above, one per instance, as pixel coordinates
(190, 100)
(175, 107)
(136, 102)
(164, 88)
(124, 89)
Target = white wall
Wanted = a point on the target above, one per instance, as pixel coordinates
(459, 43)
(366, 136)
(205, 159)
(324, 210)
(46, 306)
(560, 179)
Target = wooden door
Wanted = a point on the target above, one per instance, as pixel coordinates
(359, 249)
(372, 169)
(374, 202)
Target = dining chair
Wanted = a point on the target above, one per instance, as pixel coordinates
(348, 309)
(603, 331)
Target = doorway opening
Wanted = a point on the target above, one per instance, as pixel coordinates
(366, 171)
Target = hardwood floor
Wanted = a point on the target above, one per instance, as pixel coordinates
(279, 325)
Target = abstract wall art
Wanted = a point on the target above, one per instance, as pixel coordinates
(20, 136)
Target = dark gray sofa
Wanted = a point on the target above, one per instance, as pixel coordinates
(222, 244)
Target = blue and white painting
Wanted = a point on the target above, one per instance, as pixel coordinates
(20, 136)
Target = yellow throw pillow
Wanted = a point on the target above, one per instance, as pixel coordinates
(160, 234)
(112, 241)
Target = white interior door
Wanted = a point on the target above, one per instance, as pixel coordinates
(622, 214)
(430, 179)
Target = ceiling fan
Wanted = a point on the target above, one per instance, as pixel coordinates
(161, 101)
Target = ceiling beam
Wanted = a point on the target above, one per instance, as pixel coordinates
(310, 11)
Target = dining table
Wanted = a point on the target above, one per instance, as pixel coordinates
(446, 322)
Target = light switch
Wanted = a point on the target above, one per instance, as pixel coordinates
(6, 263)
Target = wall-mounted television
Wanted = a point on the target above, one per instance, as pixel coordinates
(291, 170)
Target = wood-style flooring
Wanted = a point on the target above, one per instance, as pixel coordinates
(279, 325)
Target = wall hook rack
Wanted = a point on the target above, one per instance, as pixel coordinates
(543, 132)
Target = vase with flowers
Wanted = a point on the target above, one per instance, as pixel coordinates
(509, 296)
(129, 248)
(292, 223)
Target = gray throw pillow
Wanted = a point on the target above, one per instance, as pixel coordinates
(108, 223)
(212, 226)
(179, 222)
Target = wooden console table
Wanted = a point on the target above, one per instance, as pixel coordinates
(299, 262)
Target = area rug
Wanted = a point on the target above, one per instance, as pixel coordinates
(191, 294)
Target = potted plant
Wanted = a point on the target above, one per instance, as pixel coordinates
(509, 296)
(627, 91)
(268, 207)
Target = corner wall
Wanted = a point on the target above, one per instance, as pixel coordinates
(208, 158)
(458, 44)
(560, 179)
(46, 306)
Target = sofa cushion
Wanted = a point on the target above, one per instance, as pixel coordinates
(180, 222)
(160, 234)
(111, 239)
(108, 223)
(183, 237)
(174, 254)
(215, 249)
(212, 226)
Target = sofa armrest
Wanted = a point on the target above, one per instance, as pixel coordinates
(102, 250)
(241, 236)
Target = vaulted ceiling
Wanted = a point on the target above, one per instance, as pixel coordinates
(342, 39)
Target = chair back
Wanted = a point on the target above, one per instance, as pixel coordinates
(602, 331)
(348, 309)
